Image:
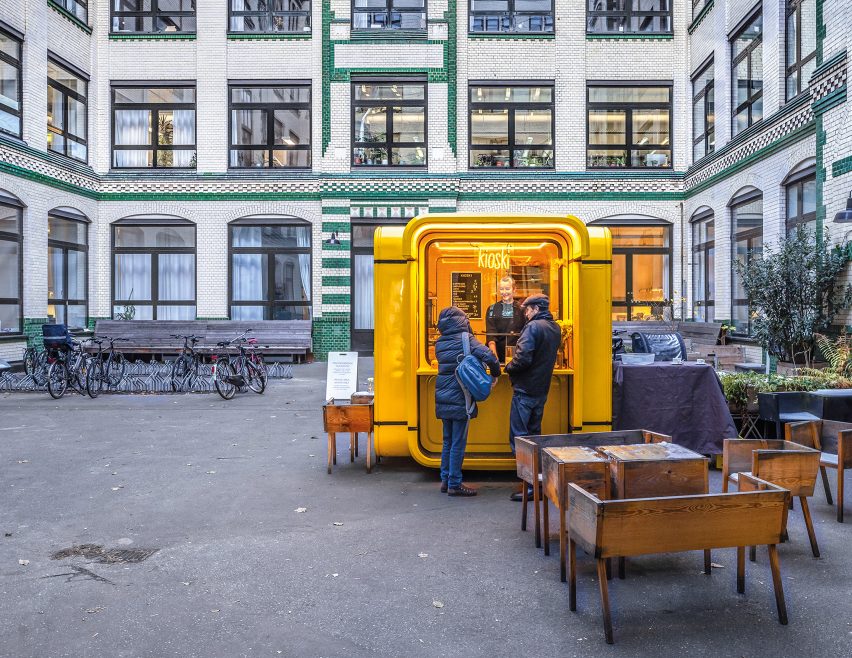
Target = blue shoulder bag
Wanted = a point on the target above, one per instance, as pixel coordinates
(475, 382)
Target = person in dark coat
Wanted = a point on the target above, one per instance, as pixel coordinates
(504, 320)
(531, 369)
(450, 404)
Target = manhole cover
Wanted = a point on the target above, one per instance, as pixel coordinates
(106, 556)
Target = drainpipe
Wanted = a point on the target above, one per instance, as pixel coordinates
(682, 269)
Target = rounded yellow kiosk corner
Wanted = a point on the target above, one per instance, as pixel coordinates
(441, 260)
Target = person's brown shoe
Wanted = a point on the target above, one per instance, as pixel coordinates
(461, 490)
(443, 486)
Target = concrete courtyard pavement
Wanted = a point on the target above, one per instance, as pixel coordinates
(213, 486)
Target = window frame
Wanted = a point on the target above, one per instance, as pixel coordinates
(701, 96)
(628, 13)
(697, 6)
(63, 4)
(389, 9)
(270, 13)
(798, 181)
(511, 13)
(511, 106)
(154, 13)
(155, 252)
(628, 108)
(746, 54)
(270, 303)
(66, 247)
(270, 116)
(18, 64)
(18, 239)
(66, 94)
(795, 68)
(154, 108)
(389, 144)
(701, 250)
(749, 236)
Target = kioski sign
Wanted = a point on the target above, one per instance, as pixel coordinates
(494, 258)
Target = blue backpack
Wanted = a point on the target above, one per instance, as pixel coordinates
(475, 382)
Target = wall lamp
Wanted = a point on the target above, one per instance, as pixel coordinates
(333, 239)
(845, 216)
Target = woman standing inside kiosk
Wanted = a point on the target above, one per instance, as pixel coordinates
(504, 319)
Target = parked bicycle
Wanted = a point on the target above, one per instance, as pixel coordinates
(246, 368)
(106, 368)
(185, 368)
(36, 365)
(68, 367)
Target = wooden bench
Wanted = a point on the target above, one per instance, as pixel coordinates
(291, 338)
(756, 515)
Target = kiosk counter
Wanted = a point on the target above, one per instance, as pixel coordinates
(441, 260)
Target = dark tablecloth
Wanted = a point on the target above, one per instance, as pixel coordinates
(685, 401)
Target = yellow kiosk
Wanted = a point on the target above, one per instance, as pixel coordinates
(441, 260)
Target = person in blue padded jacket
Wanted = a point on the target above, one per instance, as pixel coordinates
(450, 404)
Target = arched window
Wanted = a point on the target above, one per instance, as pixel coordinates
(270, 260)
(747, 237)
(153, 268)
(703, 265)
(11, 264)
(67, 267)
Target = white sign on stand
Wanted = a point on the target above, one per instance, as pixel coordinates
(341, 379)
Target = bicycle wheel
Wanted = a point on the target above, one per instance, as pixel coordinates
(41, 366)
(95, 378)
(114, 372)
(256, 378)
(30, 357)
(180, 373)
(222, 374)
(77, 371)
(57, 379)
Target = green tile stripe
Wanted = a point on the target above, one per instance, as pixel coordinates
(451, 65)
(827, 102)
(343, 246)
(842, 166)
(336, 298)
(152, 37)
(328, 227)
(335, 263)
(336, 280)
(700, 17)
(270, 37)
(69, 16)
(443, 209)
(32, 331)
(335, 210)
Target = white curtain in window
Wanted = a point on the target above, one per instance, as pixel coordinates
(303, 239)
(133, 277)
(132, 127)
(184, 133)
(176, 277)
(363, 301)
(248, 275)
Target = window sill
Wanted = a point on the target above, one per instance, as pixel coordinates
(269, 36)
(507, 170)
(511, 35)
(640, 37)
(69, 159)
(151, 36)
(12, 337)
(388, 35)
(69, 16)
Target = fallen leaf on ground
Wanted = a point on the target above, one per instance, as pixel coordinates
(717, 566)
(438, 604)
(92, 611)
(300, 510)
(335, 575)
(23, 563)
(337, 523)
(211, 472)
(23, 461)
(422, 555)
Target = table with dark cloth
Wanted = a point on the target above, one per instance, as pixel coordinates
(685, 401)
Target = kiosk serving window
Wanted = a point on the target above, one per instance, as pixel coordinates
(467, 274)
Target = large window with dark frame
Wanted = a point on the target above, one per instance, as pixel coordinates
(153, 126)
(79, 9)
(511, 125)
(747, 238)
(747, 72)
(800, 45)
(67, 247)
(629, 126)
(697, 6)
(800, 190)
(270, 269)
(389, 15)
(11, 91)
(153, 268)
(389, 123)
(67, 111)
(153, 16)
(703, 266)
(11, 266)
(629, 17)
(703, 112)
(511, 16)
(270, 125)
(269, 16)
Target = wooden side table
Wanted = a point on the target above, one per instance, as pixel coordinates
(339, 417)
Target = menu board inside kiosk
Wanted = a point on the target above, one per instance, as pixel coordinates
(467, 273)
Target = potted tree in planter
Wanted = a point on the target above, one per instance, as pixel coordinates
(794, 294)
